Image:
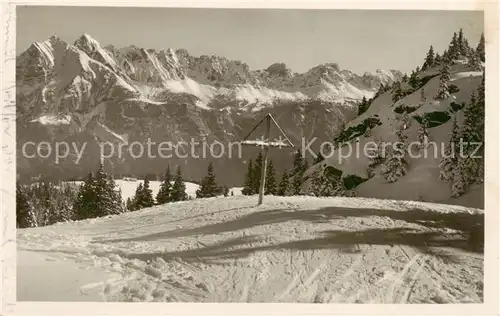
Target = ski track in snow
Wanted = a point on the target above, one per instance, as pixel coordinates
(293, 249)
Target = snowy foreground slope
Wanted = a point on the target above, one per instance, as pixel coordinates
(291, 249)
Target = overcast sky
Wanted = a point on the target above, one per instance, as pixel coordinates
(356, 40)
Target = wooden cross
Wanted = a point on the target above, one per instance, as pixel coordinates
(265, 143)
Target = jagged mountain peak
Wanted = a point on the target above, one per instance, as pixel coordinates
(279, 69)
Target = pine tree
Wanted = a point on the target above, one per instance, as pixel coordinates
(46, 206)
(147, 195)
(270, 180)
(473, 136)
(444, 78)
(87, 201)
(109, 200)
(163, 195)
(395, 166)
(445, 58)
(474, 61)
(248, 183)
(129, 205)
(397, 92)
(422, 133)
(257, 170)
(429, 59)
(481, 128)
(325, 183)
(297, 173)
(284, 186)
(25, 217)
(59, 204)
(449, 160)
(363, 106)
(208, 187)
(480, 49)
(376, 155)
(98, 196)
(138, 197)
(178, 192)
(453, 49)
(305, 165)
(414, 81)
(317, 182)
(459, 183)
(461, 43)
(437, 59)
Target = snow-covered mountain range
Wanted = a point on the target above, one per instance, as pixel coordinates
(84, 92)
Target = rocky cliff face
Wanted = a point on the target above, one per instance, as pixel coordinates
(87, 93)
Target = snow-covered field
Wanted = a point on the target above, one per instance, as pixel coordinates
(291, 249)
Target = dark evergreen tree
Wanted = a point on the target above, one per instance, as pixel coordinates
(459, 185)
(87, 200)
(129, 205)
(363, 106)
(449, 160)
(178, 192)
(423, 133)
(25, 217)
(480, 49)
(297, 172)
(474, 61)
(284, 186)
(248, 183)
(60, 204)
(147, 195)
(137, 199)
(473, 138)
(397, 92)
(454, 49)
(480, 127)
(429, 59)
(444, 79)
(208, 186)
(108, 197)
(461, 43)
(257, 171)
(437, 59)
(395, 166)
(163, 195)
(414, 81)
(270, 180)
(324, 183)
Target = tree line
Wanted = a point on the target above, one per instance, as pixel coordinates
(290, 182)
(458, 48)
(46, 202)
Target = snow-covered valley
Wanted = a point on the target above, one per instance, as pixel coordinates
(291, 249)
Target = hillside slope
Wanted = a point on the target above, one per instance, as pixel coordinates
(421, 181)
(291, 249)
